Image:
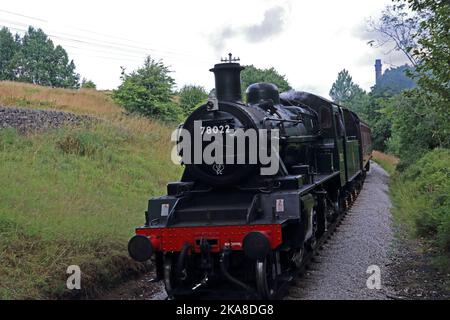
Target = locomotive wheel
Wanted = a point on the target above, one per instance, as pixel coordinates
(344, 202)
(297, 258)
(266, 278)
(339, 204)
(171, 279)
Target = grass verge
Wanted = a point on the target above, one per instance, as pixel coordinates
(73, 196)
(421, 199)
(386, 161)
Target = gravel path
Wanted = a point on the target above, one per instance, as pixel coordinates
(363, 239)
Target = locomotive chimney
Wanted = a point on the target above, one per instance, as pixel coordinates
(378, 70)
(228, 80)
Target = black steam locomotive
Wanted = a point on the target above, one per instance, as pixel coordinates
(246, 223)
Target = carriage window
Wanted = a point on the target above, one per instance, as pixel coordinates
(325, 118)
(339, 125)
(351, 129)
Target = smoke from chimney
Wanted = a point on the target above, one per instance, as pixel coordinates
(272, 24)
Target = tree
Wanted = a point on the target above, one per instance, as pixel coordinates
(62, 72)
(421, 117)
(433, 47)
(38, 61)
(369, 107)
(359, 103)
(416, 126)
(420, 29)
(417, 120)
(396, 29)
(88, 84)
(395, 80)
(191, 96)
(344, 89)
(251, 75)
(8, 49)
(148, 90)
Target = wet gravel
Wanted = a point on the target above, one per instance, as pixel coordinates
(139, 289)
(363, 239)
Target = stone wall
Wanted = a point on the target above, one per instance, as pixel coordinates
(29, 120)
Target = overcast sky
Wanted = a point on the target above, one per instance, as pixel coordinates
(308, 41)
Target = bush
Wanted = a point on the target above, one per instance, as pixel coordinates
(170, 112)
(88, 84)
(190, 97)
(422, 197)
(148, 91)
(81, 143)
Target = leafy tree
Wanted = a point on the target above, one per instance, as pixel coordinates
(395, 80)
(433, 47)
(359, 103)
(251, 75)
(416, 126)
(369, 107)
(148, 90)
(38, 61)
(63, 72)
(344, 89)
(420, 29)
(88, 84)
(8, 49)
(413, 121)
(420, 117)
(191, 96)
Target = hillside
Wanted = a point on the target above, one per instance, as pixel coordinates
(73, 195)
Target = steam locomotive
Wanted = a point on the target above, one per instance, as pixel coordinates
(247, 223)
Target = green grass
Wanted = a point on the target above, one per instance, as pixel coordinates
(74, 196)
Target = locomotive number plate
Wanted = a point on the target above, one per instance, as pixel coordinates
(217, 126)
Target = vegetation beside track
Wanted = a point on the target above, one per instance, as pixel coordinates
(73, 196)
(421, 198)
(386, 161)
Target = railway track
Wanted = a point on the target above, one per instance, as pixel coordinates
(286, 280)
(335, 269)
